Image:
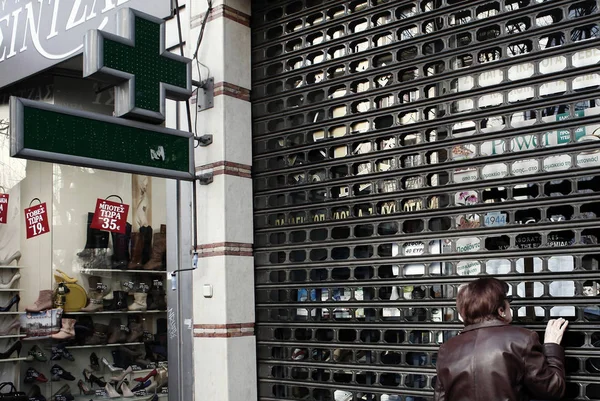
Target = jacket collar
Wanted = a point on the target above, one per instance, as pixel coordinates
(485, 324)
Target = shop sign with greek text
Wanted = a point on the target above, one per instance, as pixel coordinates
(36, 220)
(36, 35)
(110, 216)
(3, 208)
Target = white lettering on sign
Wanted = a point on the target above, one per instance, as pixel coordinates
(158, 154)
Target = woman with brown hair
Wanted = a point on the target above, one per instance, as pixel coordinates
(493, 361)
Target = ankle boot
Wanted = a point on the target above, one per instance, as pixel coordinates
(159, 250)
(157, 300)
(120, 257)
(116, 332)
(146, 232)
(99, 336)
(136, 331)
(44, 302)
(139, 303)
(84, 328)
(119, 302)
(137, 247)
(96, 304)
(95, 239)
(66, 331)
(96, 283)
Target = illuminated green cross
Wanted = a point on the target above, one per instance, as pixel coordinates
(137, 62)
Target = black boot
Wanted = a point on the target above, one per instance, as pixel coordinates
(119, 302)
(99, 337)
(146, 233)
(84, 328)
(95, 239)
(120, 257)
(156, 300)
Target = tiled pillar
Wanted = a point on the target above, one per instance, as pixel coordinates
(224, 341)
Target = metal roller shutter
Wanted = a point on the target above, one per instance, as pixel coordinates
(402, 148)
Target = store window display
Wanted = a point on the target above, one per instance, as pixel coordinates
(84, 308)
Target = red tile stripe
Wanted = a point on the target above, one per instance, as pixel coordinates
(227, 168)
(224, 330)
(226, 88)
(223, 11)
(225, 248)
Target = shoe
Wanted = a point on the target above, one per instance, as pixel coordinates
(110, 367)
(84, 328)
(99, 259)
(83, 389)
(137, 248)
(37, 354)
(96, 303)
(120, 256)
(125, 390)
(15, 256)
(111, 392)
(59, 373)
(299, 354)
(44, 302)
(33, 375)
(146, 232)
(136, 331)
(143, 386)
(15, 324)
(8, 285)
(157, 300)
(92, 379)
(62, 277)
(14, 300)
(139, 303)
(94, 363)
(159, 251)
(95, 239)
(64, 392)
(119, 302)
(125, 374)
(67, 330)
(162, 379)
(35, 394)
(15, 347)
(59, 352)
(99, 335)
(147, 377)
(341, 395)
(116, 332)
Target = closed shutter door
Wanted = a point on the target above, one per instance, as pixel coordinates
(401, 149)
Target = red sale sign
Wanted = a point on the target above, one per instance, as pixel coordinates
(36, 220)
(110, 216)
(3, 208)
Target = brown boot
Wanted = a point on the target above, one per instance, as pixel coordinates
(159, 250)
(136, 331)
(115, 332)
(97, 284)
(96, 303)
(66, 331)
(137, 247)
(44, 302)
(99, 335)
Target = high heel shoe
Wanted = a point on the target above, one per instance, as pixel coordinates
(90, 378)
(125, 390)
(148, 385)
(64, 392)
(15, 347)
(62, 277)
(153, 373)
(83, 389)
(111, 392)
(110, 367)
(162, 379)
(15, 256)
(127, 372)
(14, 278)
(14, 300)
(94, 363)
(15, 324)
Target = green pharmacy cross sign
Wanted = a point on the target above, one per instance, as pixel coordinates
(145, 75)
(138, 63)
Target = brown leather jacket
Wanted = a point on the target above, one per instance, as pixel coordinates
(494, 361)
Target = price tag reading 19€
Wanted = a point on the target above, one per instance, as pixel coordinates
(110, 216)
(36, 220)
(3, 208)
